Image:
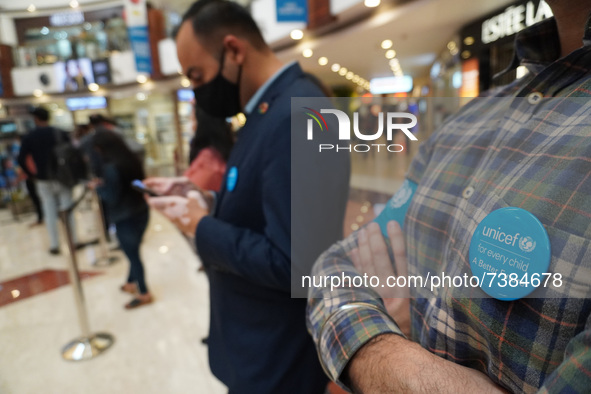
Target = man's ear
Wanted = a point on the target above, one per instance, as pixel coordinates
(235, 48)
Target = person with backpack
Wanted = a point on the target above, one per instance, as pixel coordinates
(126, 207)
(40, 144)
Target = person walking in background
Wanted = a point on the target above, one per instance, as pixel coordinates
(125, 206)
(209, 151)
(40, 144)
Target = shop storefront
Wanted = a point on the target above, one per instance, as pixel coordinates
(73, 49)
(487, 44)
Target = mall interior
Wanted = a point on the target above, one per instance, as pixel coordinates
(430, 56)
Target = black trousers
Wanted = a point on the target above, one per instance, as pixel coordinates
(130, 232)
(35, 198)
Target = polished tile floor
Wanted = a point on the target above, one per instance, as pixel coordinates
(157, 347)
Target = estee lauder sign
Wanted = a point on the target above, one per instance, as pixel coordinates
(514, 19)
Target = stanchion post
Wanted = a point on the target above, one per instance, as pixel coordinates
(75, 276)
(88, 345)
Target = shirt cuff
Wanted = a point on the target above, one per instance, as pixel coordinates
(347, 330)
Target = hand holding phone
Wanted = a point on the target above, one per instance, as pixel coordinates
(140, 187)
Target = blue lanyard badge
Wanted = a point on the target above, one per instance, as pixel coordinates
(510, 253)
(232, 178)
(397, 206)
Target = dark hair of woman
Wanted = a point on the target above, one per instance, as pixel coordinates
(113, 150)
(211, 133)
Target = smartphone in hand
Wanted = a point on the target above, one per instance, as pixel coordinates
(140, 187)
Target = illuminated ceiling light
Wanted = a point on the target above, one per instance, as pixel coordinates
(163, 249)
(372, 3)
(93, 87)
(387, 44)
(296, 34)
(390, 54)
(37, 92)
(140, 96)
(335, 67)
(454, 51)
(349, 75)
(466, 54)
(394, 63)
(469, 40)
(44, 30)
(323, 61)
(141, 78)
(15, 293)
(74, 4)
(307, 52)
(32, 8)
(451, 45)
(343, 71)
(185, 82)
(355, 79)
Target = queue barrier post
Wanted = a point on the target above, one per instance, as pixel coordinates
(88, 345)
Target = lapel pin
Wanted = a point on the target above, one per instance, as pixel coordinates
(263, 108)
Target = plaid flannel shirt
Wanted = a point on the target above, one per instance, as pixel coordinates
(511, 149)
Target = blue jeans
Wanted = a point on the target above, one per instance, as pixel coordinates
(55, 197)
(130, 232)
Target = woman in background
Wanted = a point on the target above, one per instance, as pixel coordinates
(127, 208)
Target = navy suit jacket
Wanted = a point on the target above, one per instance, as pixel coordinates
(258, 342)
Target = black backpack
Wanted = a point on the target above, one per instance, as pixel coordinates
(69, 166)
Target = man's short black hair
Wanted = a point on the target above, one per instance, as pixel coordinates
(40, 113)
(212, 20)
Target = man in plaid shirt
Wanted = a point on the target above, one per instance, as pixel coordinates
(527, 145)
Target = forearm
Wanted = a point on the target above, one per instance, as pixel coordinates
(343, 319)
(390, 363)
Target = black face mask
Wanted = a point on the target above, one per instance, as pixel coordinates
(219, 97)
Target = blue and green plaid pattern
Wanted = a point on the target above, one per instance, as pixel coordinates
(512, 151)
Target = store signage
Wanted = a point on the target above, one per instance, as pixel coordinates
(292, 10)
(186, 95)
(136, 18)
(389, 85)
(66, 18)
(514, 19)
(92, 102)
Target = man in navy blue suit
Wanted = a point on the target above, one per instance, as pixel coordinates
(258, 341)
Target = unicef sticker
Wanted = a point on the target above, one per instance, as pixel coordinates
(510, 253)
(397, 206)
(232, 178)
